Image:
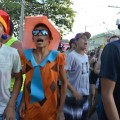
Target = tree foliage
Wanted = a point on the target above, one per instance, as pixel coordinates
(59, 11)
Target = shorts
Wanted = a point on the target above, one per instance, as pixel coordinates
(76, 109)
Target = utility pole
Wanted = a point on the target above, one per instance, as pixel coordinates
(20, 36)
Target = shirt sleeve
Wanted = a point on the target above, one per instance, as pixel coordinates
(16, 62)
(109, 62)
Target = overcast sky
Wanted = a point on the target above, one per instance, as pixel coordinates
(94, 16)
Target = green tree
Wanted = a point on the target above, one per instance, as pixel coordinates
(59, 11)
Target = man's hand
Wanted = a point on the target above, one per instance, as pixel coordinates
(60, 115)
(22, 109)
(74, 92)
(9, 113)
(77, 95)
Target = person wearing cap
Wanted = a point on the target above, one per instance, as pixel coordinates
(43, 67)
(9, 64)
(77, 67)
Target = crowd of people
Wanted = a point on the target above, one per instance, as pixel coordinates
(44, 84)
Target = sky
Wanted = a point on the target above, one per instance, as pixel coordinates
(94, 16)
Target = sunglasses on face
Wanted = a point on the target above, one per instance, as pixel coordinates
(42, 32)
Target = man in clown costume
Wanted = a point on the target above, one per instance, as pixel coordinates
(43, 67)
(9, 63)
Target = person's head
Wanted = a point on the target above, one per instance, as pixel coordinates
(92, 53)
(81, 40)
(67, 48)
(113, 38)
(72, 44)
(4, 25)
(41, 35)
(61, 47)
(4, 22)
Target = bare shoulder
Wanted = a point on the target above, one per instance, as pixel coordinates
(18, 45)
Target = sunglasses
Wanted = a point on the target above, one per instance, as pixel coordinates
(42, 32)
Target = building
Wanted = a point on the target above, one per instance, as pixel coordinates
(101, 39)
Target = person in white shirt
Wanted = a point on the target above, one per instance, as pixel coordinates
(9, 64)
(77, 67)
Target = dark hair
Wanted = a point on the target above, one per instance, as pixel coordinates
(11, 28)
(61, 47)
(43, 25)
(114, 36)
(71, 42)
(119, 26)
(92, 53)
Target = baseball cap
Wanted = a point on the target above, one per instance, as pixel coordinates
(78, 35)
(5, 21)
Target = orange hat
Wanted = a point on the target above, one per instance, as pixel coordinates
(30, 22)
(5, 21)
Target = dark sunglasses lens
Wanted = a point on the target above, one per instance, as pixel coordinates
(44, 32)
(35, 32)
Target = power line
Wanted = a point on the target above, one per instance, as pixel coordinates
(113, 6)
